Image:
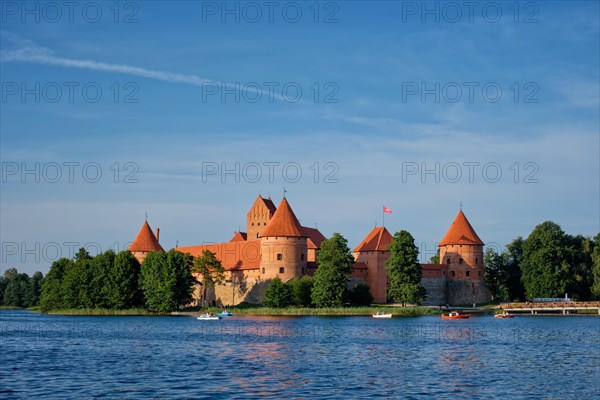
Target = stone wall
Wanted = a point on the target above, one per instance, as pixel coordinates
(436, 291)
(466, 292)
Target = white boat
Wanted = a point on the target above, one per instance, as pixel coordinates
(208, 317)
(382, 315)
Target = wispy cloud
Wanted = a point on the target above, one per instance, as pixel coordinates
(28, 51)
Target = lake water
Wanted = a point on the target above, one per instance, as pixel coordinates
(304, 357)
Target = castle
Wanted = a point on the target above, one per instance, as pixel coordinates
(275, 244)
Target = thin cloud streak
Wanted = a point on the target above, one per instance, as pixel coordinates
(40, 55)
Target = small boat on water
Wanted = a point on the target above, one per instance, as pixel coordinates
(208, 317)
(503, 315)
(225, 313)
(455, 315)
(382, 315)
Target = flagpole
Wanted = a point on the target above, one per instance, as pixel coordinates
(383, 216)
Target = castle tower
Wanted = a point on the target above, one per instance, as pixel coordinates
(259, 216)
(461, 250)
(283, 245)
(373, 253)
(145, 242)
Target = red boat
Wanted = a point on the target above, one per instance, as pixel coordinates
(455, 315)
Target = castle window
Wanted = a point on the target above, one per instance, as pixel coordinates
(253, 224)
(281, 270)
(444, 272)
(301, 257)
(460, 261)
(264, 223)
(479, 273)
(448, 261)
(453, 273)
(279, 257)
(468, 273)
(477, 261)
(257, 235)
(263, 270)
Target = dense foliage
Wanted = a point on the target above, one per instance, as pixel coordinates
(20, 290)
(301, 290)
(404, 270)
(360, 295)
(117, 281)
(166, 280)
(278, 294)
(331, 278)
(548, 263)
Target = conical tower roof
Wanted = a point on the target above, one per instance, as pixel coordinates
(461, 232)
(145, 240)
(283, 223)
(377, 240)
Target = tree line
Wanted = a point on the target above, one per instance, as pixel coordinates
(163, 282)
(548, 263)
(19, 289)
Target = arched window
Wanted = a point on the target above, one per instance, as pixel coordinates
(263, 270)
(453, 273)
(460, 261)
(479, 273)
(279, 257)
(448, 261)
(468, 273)
(257, 234)
(301, 257)
(477, 261)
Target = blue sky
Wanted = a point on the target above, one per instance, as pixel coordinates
(370, 95)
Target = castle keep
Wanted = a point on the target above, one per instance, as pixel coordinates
(275, 244)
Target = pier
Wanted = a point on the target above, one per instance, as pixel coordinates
(564, 307)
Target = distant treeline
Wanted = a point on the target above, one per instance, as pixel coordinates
(548, 263)
(117, 281)
(20, 290)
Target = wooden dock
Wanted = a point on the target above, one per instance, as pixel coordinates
(564, 307)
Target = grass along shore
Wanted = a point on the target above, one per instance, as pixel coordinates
(103, 312)
(412, 311)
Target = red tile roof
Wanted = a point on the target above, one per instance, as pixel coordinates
(315, 237)
(241, 255)
(461, 232)
(284, 223)
(145, 240)
(239, 237)
(377, 240)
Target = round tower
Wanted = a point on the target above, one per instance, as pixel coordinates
(283, 246)
(145, 242)
(461, 250)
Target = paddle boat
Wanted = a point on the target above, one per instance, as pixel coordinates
(225, 313)
(455, 315)
(504, 315)
(208, 317)
(382, 315)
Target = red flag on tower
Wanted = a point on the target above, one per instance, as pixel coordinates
(386, 210)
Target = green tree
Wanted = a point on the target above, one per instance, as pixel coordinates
(596, 267)
(512, 262)
(35, 288)
(360, 295)
(278, 294)
(404, 271)
(100, 270)
(166, 280)
(76, 283)
(51, 297)
(301, 290)
(210, 270)
(331, 278)
(122, 284)
(546, 261)
(17, 289)
(495, 274)
(436, 258)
